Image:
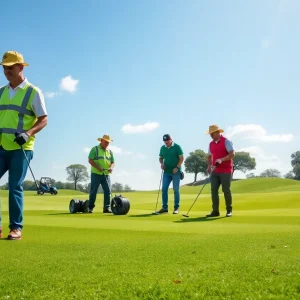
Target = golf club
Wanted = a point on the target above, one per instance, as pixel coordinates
(108, 185)
(212, 169)
(16, 134)
(155, 212)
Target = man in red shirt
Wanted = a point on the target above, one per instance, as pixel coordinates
(220, 151)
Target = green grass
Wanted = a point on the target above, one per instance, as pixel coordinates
(253, 255)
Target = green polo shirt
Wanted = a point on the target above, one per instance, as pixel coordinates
(170, 156)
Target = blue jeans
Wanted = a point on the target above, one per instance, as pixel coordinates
(15, 163)
(167, 178)
(96, 180)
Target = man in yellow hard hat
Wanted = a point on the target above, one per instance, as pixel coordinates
(102, 163)
(22, 115)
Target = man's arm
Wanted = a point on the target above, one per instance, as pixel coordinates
(38, 126)
(39, 108)
(93, 163)
(112, 162)
(181, 158)
(230, 150)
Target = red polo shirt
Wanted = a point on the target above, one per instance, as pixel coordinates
(218, 150)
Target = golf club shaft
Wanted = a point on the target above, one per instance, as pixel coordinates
(159, 189)
(212, 169)
(29, 167)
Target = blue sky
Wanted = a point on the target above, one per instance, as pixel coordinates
(139, 69)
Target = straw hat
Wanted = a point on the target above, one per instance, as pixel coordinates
(106, 138)
(214, 128)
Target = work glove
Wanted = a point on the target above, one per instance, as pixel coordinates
(21, 138)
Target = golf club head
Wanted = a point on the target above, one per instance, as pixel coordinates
(187, 216)
(155, 213)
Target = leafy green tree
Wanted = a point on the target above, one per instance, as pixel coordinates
(77, 173)
(196, 163)
(243, 162)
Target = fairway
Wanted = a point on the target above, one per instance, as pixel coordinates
(253, 255)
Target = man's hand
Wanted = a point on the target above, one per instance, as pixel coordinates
(162, 166)
(208, 170)
(21, 138)
(110, 170)
(175, 171)
(219, 161)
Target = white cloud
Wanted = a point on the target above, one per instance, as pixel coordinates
(265, 161)
(69, 84)
(257, 132)
(266, 44)
(118, 150)
(50, 95)
(146, 127)
(86, 149)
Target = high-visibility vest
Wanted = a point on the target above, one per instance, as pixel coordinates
(16, 115)
(103, 159)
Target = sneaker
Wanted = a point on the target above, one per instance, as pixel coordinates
(163, 210)
(15, 234)
(175, 212)
(213, 214)
(90, 210)
(107, 210)
(0, 232)
(229, 214)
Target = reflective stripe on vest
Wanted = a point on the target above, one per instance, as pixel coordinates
(22, 110)
(101, 157)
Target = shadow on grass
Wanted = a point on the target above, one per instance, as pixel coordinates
(59, 214)
(200, 219)
(141, 216)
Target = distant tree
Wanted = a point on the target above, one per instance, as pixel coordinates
(296, 171)
(295, 162)
(250, 175)
(243, 162)
(270, 173)
(77, 173)
(117, 187)
(127, 188)
(4, 186)
(289, 175)
(196, 163)
(295, 158)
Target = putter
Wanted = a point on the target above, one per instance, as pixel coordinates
(16, 134)
(212, 169)
(155, 212)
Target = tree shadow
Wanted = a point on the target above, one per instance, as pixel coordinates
(199, 219)
(141, 216)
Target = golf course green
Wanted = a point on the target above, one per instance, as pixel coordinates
(253, 255)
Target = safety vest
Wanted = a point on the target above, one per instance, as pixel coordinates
(16, 115)
(103, 159)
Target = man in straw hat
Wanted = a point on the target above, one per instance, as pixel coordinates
(22, 115)
(102, 163)
(220, 151)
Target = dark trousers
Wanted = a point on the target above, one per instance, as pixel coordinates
(96, 180)
(223, 179)
(15, 164)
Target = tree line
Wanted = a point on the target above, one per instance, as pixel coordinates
(196, 163)
(77, 176)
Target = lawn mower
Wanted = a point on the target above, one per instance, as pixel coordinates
(45, 186)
